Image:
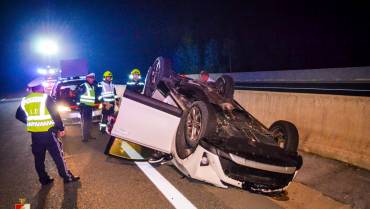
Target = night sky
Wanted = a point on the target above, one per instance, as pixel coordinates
(121, 35)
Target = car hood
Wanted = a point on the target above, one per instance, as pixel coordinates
(252, 150)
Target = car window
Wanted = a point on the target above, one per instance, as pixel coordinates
(66, 90)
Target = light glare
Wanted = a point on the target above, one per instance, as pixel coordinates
(47, 47)
(42, 71)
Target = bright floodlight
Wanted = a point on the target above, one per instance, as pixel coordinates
(42, 71)
(47, 47)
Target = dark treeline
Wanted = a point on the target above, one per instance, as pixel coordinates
(218, 36)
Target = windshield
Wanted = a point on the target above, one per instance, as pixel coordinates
(120, 148)
(66, 91)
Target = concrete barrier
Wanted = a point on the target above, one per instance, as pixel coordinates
(332, 126)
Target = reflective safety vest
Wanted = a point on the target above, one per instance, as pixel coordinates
(107, 93)
(88, 98)
(38, 116)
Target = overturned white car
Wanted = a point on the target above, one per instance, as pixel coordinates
(208, 135)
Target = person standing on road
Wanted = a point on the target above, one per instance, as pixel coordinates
(86, 94)
(38, 111)
(108, 96)
(135, 84)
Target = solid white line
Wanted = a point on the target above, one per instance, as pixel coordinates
(175, 197)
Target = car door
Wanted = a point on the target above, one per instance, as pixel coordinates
(147, 121)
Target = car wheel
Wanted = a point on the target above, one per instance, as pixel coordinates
(182, 148)
(199, 123)
(160, 69)
(225, 86)
(185, 147)
(286, 135)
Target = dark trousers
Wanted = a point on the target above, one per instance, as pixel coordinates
(48, 141)
(86, 121)
(105, 113)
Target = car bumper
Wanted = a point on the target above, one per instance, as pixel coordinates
(257, 180)
(252, 175)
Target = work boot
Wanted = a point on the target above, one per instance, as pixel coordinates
(47, 182)
(71, 179)
(102, 129)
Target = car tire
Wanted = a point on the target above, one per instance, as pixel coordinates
(184, 147)
(225, 86)
(200, 122)
(286, 135)
(160, 69)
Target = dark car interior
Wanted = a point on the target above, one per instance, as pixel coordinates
(66, 91)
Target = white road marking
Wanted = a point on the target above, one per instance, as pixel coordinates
(175, 197)
(2, 100)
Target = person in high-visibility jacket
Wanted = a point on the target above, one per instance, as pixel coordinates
(108, 96)
(135, 84)
(38, 111)
(87, 99)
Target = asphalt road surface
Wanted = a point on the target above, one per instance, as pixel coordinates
(113, 183)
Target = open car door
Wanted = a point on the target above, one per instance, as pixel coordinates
(147, 122)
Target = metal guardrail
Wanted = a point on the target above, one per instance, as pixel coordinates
(353, 81)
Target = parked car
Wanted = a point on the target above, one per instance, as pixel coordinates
(64, 94)
(209, 136)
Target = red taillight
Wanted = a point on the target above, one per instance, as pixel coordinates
(74, 107)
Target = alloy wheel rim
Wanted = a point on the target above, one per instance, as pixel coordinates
(193, 124)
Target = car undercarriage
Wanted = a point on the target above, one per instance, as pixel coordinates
(209, 136)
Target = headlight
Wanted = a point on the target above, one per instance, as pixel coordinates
(62, 108)
(101, 106)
